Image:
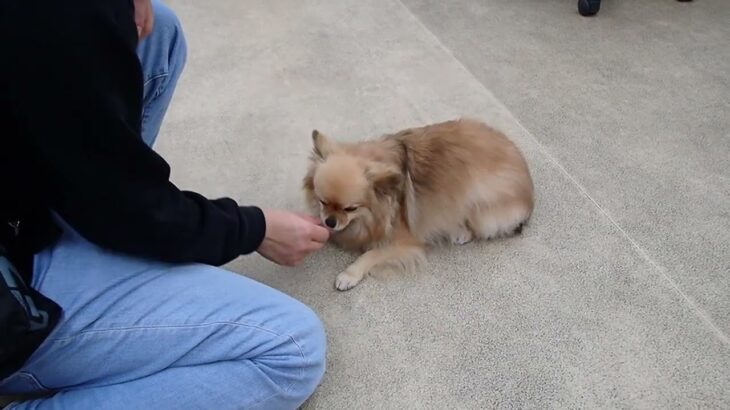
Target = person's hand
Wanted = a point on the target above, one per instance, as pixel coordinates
(143, 17)
(290, 237)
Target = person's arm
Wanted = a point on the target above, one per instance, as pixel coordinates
(77, 90)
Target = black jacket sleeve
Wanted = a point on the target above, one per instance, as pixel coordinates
(77, 93)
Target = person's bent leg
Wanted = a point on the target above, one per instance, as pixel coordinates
(137, 334)
(162, 55)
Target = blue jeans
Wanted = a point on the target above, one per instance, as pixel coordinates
(138, 334)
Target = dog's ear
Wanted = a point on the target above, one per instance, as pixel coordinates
(385, 178)
(323, 145)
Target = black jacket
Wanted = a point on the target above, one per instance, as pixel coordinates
(70, 108)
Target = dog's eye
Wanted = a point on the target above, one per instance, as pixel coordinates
(351, 209)
(322, 202)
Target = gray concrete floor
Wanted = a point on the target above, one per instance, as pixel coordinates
(618, 292)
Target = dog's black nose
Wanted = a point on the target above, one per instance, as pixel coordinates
(330, 221)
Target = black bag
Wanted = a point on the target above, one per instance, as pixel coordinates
(26, 318)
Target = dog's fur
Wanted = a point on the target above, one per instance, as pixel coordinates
(393, 196)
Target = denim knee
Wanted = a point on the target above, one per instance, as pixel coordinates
(168, 38)
(162, 55)
(313, 344)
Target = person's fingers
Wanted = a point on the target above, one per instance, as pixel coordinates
(143, 17)
(315, 246)
(309, 218)
(286, 260)
(140, 10)
(319, 234)
(149, 24)
(295, 261)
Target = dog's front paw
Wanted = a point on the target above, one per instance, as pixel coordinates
(347, 280)
(462, 236)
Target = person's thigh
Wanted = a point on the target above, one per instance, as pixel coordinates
(141, 334)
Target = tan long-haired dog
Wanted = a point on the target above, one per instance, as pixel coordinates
(391, 197)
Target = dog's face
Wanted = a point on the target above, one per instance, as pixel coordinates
(341, 188)
(347, 187)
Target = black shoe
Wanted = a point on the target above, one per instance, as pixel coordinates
(588, 7)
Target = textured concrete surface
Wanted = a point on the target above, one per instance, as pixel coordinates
(617, 294)
(635, 103)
